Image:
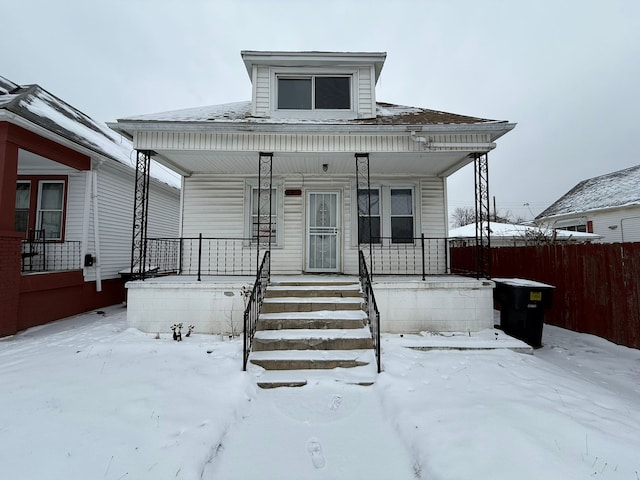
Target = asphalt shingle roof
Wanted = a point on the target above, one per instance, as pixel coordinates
(617, 189)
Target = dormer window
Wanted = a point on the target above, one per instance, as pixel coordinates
(317, 92)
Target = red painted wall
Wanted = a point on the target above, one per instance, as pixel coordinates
(52, 296)
(10, 258)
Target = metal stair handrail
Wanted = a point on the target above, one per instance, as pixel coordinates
(254, 304)
(371, 307)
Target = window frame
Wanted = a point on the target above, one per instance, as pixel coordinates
(251, 186)
(36, 182)
(313, 92)
(276, 73)
(402, 215)
(376, 240)
(386, 236)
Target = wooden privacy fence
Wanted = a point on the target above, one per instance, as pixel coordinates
(597, 285)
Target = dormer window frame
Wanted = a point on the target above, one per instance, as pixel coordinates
(313, 113)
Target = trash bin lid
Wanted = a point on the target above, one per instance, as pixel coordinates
(521, 282)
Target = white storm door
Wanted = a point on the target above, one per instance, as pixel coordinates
(323, 234)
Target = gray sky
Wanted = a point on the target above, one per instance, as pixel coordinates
(566, 71)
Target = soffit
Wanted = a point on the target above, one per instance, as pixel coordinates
(246, 163)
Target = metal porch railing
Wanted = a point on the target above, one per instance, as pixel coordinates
(201, 256)
(413, 256)
(40, 255)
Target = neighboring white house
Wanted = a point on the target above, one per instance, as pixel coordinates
(69, 185)
(515, 235)
(315, 127)
(608, 205)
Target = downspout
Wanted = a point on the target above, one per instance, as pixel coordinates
(85, 219)
(96, 230)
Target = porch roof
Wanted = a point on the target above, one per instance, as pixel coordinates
(226, 139)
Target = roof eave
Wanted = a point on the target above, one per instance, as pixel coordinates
(129, 127)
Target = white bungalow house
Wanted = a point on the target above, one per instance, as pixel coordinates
(66, 192)
(344, 173)
(608, 205)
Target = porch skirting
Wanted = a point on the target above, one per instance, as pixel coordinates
(216, 305)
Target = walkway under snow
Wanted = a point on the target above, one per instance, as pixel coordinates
(314, 432)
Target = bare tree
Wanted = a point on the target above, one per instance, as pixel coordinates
(463, 216)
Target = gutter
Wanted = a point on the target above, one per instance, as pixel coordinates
(128, 128)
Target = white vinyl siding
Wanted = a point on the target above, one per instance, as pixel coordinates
(261, 104)
(115, 214)
(613, 225)
(365, 91)
(213, 206)
(432, 207)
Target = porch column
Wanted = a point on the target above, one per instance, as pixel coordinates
(264, 230)
(10, 241)
(140, 215)
(483, 233)
(363, 182)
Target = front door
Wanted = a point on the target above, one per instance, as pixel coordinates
(323, 233)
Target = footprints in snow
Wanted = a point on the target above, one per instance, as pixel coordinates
(315, 450)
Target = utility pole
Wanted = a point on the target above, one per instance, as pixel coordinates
(495, 212)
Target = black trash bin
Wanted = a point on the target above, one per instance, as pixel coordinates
(522, 304)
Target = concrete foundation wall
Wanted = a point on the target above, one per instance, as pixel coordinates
(212, 308)
(218, 308)
(434, 306)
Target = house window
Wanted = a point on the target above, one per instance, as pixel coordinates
(369, 224)
(392, 216)
(23, 199)
(40, 205)
(314, 93)
(50, 209)
(575, 228)
(401, 215)
(263, 203)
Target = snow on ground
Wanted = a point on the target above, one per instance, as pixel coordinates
(88, 398)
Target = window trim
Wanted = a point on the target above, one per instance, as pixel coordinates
(34, 201)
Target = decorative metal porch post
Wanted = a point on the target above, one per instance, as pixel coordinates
(363, 182)
(140, 214)
(264, 202)
(483, 234)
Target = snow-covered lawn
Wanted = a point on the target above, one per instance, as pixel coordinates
(87, 398)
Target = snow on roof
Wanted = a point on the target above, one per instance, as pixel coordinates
(36, 105)
(615, 189)
(386, 114)
(512, 230)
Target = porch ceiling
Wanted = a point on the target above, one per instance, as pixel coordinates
(246, 163)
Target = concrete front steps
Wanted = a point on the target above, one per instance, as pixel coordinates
(312, 330)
